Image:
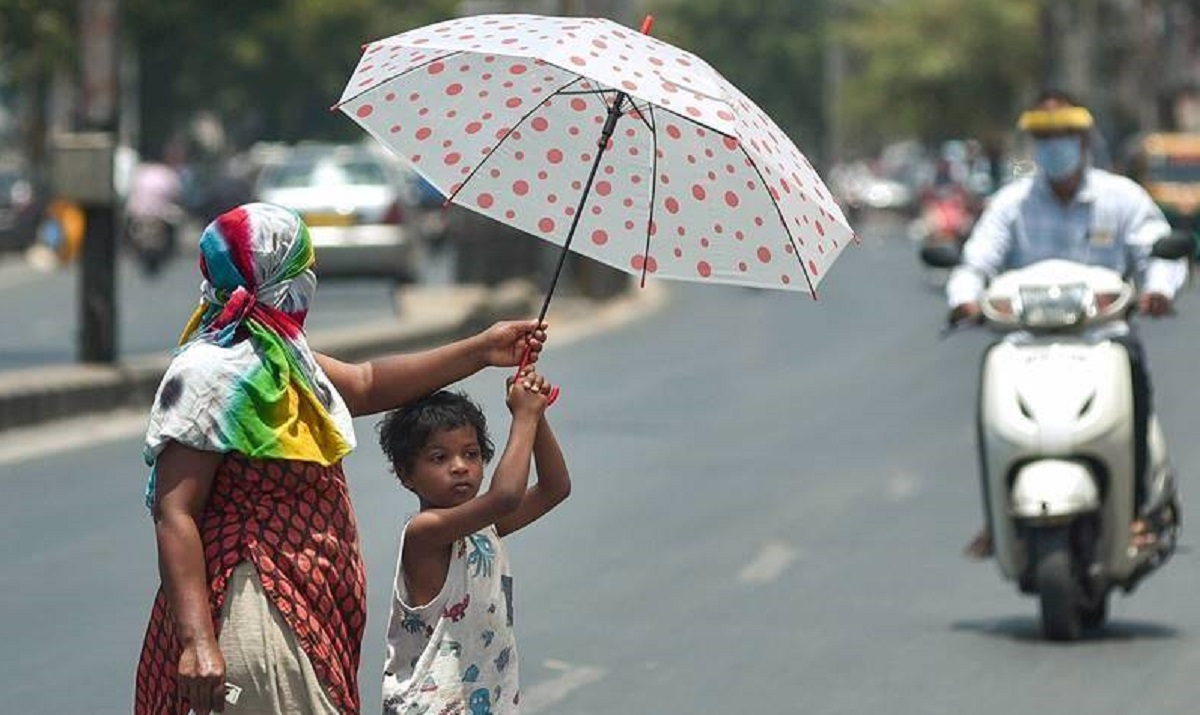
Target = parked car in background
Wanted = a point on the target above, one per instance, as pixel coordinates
(356, 202)
(428, 208)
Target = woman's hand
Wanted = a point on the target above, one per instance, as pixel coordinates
(202, 677)
(504, 344)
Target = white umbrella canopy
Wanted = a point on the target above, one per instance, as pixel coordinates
(507, 115)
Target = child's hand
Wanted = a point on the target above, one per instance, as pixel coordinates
(529, 394)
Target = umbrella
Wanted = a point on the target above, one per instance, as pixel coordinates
(566, 127)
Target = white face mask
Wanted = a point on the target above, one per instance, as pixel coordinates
(1058, 158)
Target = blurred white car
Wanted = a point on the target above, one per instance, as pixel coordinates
(356, 204)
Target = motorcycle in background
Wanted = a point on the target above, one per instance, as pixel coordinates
(154, 215)
(947, 216)
(1056, 429)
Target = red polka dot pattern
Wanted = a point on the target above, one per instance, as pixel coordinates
(697, 181)
(294, 521)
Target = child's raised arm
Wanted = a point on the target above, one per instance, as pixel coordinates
(553, 482)
(434, 528)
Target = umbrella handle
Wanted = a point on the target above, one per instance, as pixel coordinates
(552, 397)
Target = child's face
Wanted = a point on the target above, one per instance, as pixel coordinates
(449, 468)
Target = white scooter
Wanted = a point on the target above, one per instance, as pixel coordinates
(1056, 427)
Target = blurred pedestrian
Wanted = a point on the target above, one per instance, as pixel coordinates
(261, 602)
(450, 640)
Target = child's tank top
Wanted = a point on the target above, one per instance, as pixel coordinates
(456, 654)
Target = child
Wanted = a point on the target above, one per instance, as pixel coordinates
(450, 643)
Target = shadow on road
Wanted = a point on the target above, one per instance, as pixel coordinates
(1028, 629)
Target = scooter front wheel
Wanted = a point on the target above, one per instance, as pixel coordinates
(1095, 615)
(1057, 587)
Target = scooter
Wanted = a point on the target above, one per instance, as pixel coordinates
(153, 238)
(946, 217)
(1056, 427)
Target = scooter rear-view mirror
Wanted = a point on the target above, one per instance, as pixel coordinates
(1177, 245)
(941, 255)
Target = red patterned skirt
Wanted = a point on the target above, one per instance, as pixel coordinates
(294, 522)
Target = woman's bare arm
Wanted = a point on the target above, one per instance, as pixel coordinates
(386, 383)
(184, 480)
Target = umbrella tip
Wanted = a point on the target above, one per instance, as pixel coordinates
(647, 24)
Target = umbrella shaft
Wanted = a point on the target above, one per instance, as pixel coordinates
(610, 124)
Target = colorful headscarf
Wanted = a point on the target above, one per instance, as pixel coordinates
(244, 379)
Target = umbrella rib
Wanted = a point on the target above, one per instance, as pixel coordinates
(633, 108)
(653, 192)
(495, 147)
(754, 165)
(641, 113)
(584, 91)
(779, 212)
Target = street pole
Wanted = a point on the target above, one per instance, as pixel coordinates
(834, 81)
(99, 43)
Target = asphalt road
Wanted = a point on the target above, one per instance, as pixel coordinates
(770, 500)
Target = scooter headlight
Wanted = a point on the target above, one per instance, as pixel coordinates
(1054, 306)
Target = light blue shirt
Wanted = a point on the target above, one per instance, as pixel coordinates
(1110, 222)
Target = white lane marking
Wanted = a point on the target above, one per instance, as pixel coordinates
(769, 563)
(572, 677)
(21, 444)
(902, 486)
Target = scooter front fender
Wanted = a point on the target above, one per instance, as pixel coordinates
(1050, 490)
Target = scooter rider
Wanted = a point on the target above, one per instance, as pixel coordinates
(1073, 211)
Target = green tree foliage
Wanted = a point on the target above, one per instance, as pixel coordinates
(268, 68)
(37, 37)
(37, 41)
(937, 69)
(772, 50)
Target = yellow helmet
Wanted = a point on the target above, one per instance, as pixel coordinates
(1060, 119)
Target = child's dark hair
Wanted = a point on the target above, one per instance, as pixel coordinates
(405, 430)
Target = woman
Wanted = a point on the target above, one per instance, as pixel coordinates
(262, 597)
